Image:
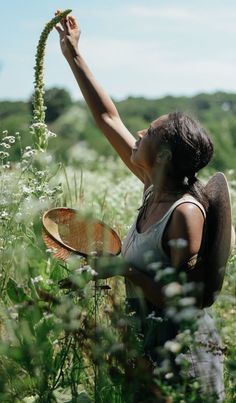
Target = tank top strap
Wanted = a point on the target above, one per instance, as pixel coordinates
(186, 199)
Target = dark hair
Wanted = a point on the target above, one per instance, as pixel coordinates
(191, 148)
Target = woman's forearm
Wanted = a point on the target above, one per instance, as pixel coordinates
(97, 99)
(107, 267)
(152, 290)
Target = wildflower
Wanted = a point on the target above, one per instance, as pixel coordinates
(5, 145)
(38, 129)
(173, 346)
(50, 134)
(172, 289)
(4, 214)
(37, 279)
(169, 375)
(7, 165)
(27, 190)
(13, 315)
(87, 269)
(187, 301)
(51, 250)
(179, 243)
(153, 316)
(10, 139)
(29, 152)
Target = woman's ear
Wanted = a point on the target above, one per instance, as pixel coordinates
(164, 156)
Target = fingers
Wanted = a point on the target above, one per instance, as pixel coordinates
(73, 22)
(62, 22)
(68, 23)
(59, 29)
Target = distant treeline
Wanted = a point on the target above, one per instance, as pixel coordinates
(72, 121)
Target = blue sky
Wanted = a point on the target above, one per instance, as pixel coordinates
(145, 47)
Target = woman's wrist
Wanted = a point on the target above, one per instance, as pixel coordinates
(71, 53)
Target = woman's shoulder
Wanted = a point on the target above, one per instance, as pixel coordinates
(188, 205)
(188, 212)
(186, 222)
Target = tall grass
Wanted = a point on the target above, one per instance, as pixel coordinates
(71, 343)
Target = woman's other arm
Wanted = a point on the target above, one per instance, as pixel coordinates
(103, 109)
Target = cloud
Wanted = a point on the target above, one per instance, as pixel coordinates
(219, 16)
(169, 13)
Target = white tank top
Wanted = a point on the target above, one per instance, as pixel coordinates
(144, 250)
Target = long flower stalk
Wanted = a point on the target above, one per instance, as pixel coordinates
(38, 128)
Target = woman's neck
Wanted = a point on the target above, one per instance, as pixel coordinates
(166, 184)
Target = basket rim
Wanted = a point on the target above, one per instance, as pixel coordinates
(93, 220)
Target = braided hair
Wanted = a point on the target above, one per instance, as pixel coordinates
(191, 148)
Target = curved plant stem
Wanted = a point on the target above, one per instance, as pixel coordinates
(38, 128)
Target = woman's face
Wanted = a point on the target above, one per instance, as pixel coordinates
(148, 144)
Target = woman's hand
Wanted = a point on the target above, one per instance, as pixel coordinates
(69, 32)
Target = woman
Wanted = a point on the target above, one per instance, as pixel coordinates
(166, 158)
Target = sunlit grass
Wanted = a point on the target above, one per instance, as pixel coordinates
(51, 338)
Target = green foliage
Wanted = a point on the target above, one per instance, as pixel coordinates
(73, 123)
(57, 101)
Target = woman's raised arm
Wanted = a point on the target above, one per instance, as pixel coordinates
(100, 104)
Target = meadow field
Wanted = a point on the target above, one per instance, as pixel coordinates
(67, 344)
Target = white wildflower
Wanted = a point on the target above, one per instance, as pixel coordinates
(28, 154)
(153, 316)
(27, 190)
(93, 253)
(169, 375)
(87, 269)
(4, 214)
(36, 279)
(187, 301)
(179, 243)
(4, 154)
(40, 174)
(173, 346)
(9, 139)
(172, 289)
(50, 134)
(186, 314)
(14, 315)
(5, 145)
(51, 250)
(38, 125)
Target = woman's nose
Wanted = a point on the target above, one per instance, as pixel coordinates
(141, 133)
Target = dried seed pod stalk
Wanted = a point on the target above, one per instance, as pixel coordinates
(38, 128)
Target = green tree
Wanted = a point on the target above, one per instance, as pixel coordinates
(57, 101)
